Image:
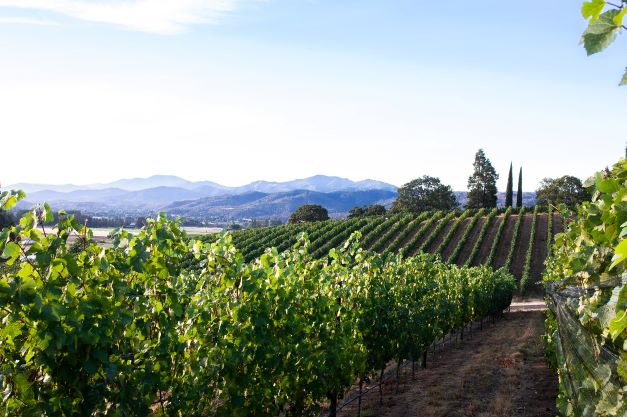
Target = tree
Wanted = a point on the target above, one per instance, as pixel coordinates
(603, 27)
(375, 210)
(566, 189)
(509, 192)
(519, 193)
(425, 193)
(6, 219)
(356, 212)
(482, 183)
(309, 213)
(140, 222)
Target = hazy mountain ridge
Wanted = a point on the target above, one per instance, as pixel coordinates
(320, 183)
(205, 199)
(208, 200)
(278, 205)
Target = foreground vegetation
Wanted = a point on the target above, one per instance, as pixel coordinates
(128, 330)
(587, 327)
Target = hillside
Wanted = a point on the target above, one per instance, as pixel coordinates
(277, 205)
(464, 238)
(319, 183)
(209, 201)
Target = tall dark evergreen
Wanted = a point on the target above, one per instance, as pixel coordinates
(482, 183)
(509, 192)
(519, 195)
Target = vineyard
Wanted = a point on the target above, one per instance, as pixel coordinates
(288, 320)
(131, 330)
(515, 239)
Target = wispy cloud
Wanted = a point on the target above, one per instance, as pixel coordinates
(27, 21)
(155, 16)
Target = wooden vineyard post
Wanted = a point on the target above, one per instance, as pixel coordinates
(361, 385)
(413, 369)
(381, 387)
(333, 406)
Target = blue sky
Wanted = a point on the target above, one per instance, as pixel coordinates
(236, 91)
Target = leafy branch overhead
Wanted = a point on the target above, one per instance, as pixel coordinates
(603, 26)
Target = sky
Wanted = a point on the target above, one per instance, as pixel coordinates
(234, 91)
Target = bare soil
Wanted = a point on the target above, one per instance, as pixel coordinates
(470, 243)
(522, 244)
(505, 241)
(411, 235)
(446, 252)
(424, 237)
(486, 245)
(439, 238)
(558, 224)
(539, 253)
(497, 372)
(399, 231)
(383, 232)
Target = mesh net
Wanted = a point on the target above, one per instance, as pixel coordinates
(587, 363)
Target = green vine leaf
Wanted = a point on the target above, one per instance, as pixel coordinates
(592, 9)
(618, 19)
(600, 33)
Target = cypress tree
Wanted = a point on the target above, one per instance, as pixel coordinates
(509, 192)
(519, 196)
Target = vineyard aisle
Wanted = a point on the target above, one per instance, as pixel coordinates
(499, 371)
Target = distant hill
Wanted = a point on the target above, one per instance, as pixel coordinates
(529, 198)
(209, 200)
(277, 205)
(320, 183)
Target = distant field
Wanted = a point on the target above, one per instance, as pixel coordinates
(101, 235)
(105, 231)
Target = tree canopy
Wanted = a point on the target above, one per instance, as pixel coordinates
(482, 183)
(425, 193)
(372, 210)
(309, 213)
(566, 189)
(6, 219)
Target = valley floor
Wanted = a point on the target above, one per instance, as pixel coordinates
(499, 371)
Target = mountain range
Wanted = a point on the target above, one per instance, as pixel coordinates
(206, 199)
(319, 183)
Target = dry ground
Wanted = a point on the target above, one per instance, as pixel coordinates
(499, 371)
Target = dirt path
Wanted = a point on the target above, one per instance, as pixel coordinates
(499, 371)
